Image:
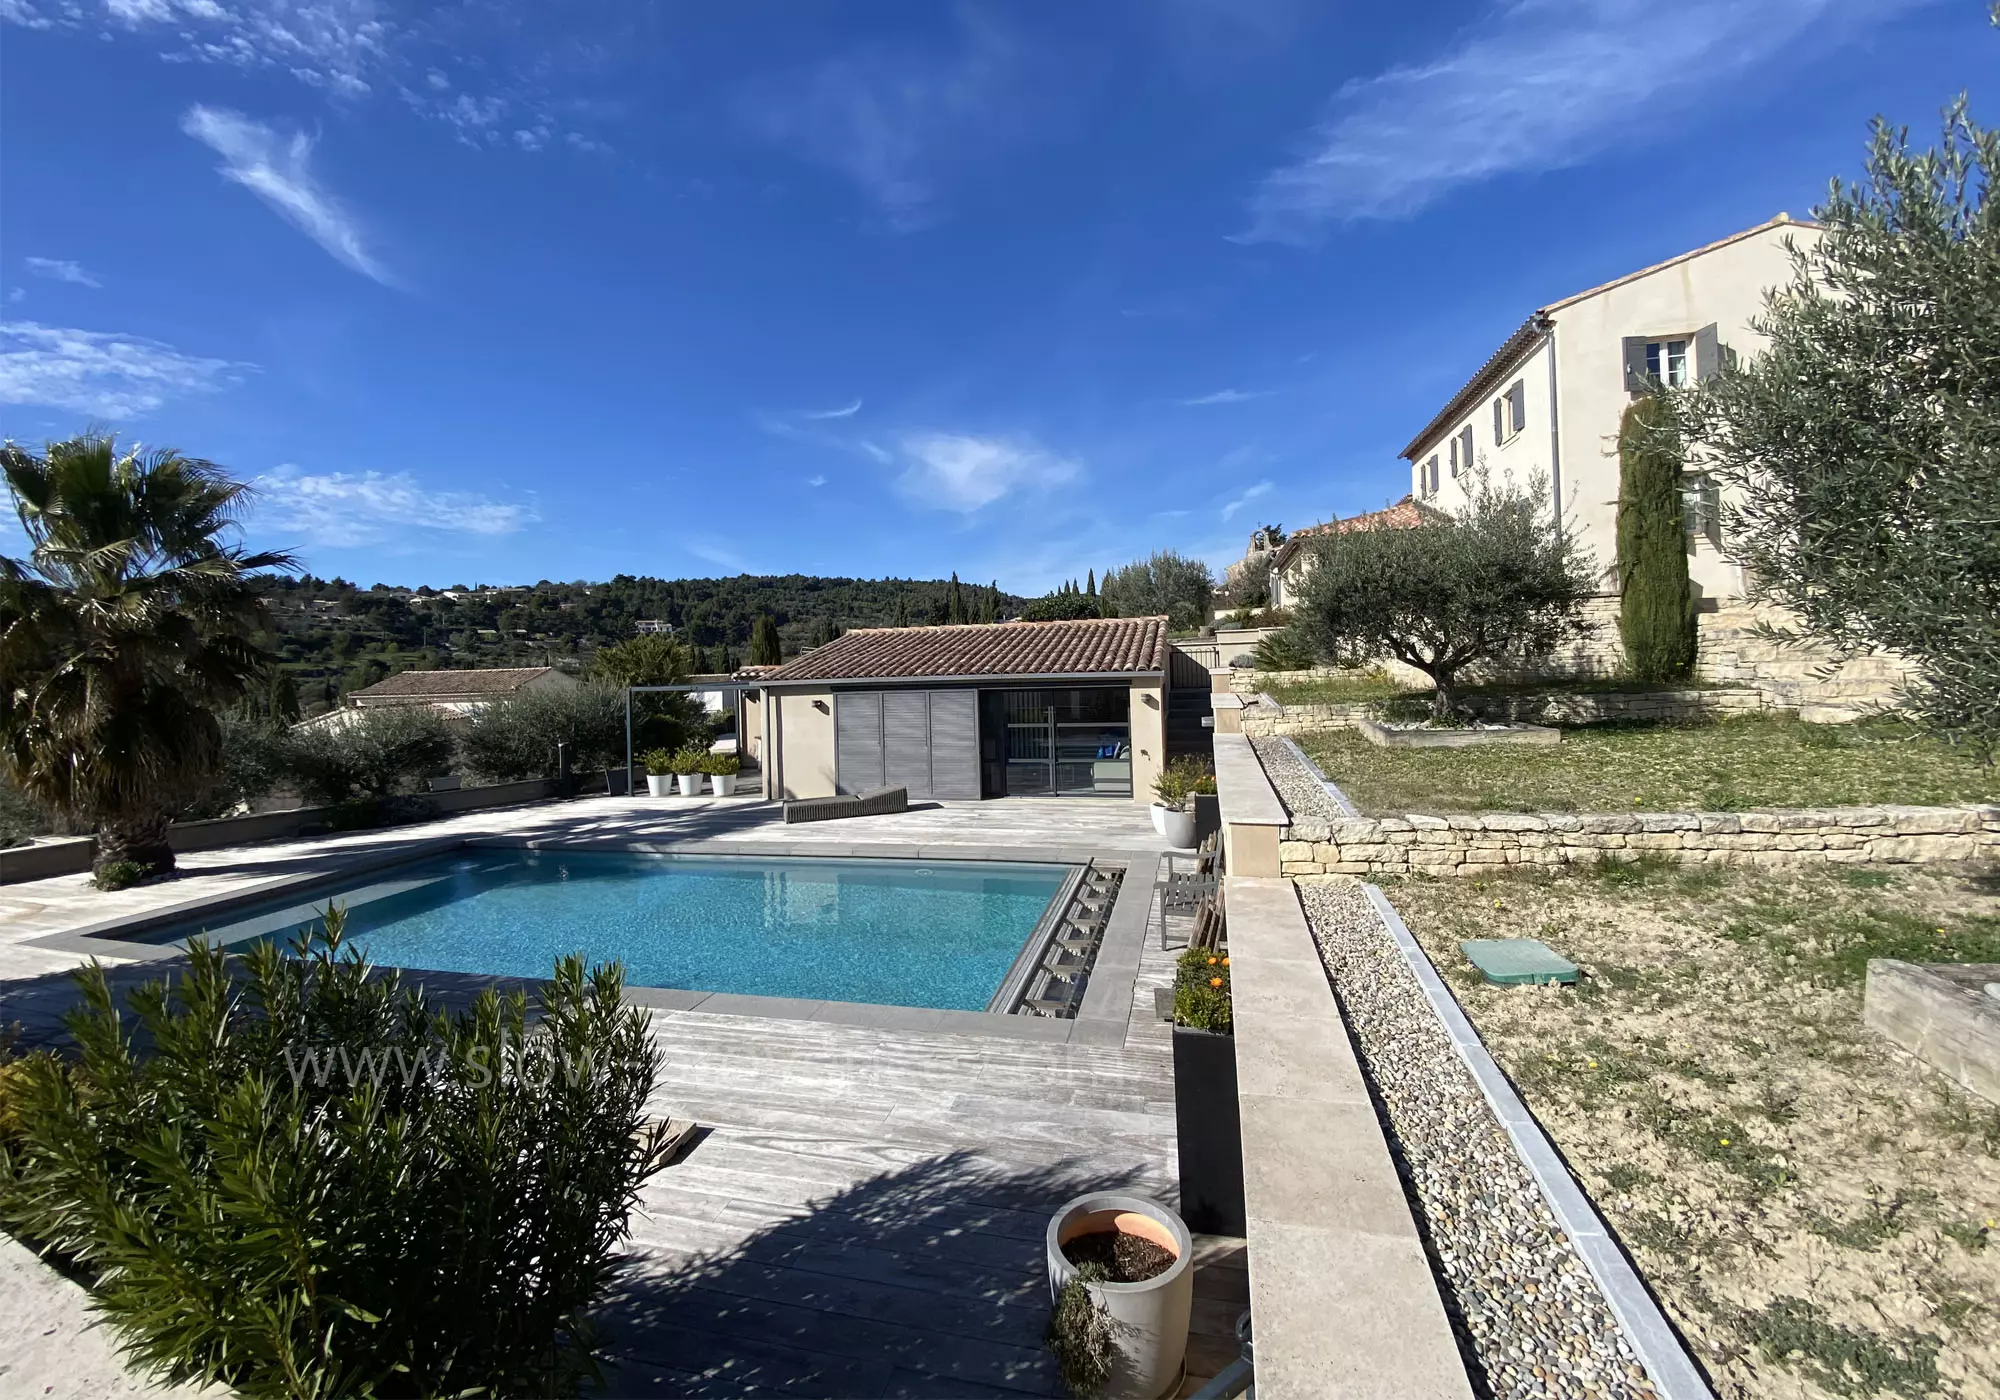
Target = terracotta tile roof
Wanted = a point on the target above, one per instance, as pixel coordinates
(1086, 647)
(1401, 516)
(439, 685)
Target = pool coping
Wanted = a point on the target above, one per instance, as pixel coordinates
(1103, 1018)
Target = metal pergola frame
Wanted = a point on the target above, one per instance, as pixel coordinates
(733, 688)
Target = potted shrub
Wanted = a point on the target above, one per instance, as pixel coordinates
(1208, 1129)
(1179, 783)
(1121, 1282)
(659, 772)
(686, 764)
(722, 769)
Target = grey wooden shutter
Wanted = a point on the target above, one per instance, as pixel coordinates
(857, 740)
(955, 745)
(1517, 407)
(1707, 351)
(906, 741)
(1636, 378)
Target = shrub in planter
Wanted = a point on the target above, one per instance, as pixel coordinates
(1182, 780)
(318, 1184)
(721, 765)
(686, 762)
(1080, 1335)
(659, 763)
(1208, 1125)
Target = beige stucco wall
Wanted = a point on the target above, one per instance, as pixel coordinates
(1149, 736)
(1724, 286)
(805, 743)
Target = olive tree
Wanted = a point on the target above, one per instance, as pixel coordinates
(1863, 445)
(1166, 585)
(1498, 582)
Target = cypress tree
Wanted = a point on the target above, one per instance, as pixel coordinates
(954, 607)
(1656, 614)
(1090, 582)
(902, 609)
(765, 649)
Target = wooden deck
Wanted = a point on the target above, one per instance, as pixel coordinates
(865, 1215)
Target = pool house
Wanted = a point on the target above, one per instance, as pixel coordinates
(963, 712)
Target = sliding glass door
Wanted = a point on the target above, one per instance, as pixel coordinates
(1061, 743)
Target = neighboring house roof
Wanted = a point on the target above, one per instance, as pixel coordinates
(1085, 647)
(1403, 515)
(1512, 350)
(454, 685)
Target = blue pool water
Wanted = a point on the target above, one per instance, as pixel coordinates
(899, 933)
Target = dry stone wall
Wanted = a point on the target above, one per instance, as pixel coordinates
(1479, 843)
(1539, 707)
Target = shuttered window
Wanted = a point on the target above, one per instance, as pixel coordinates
(906, 740)
(857, 729)
(955, 745)
(926, 741)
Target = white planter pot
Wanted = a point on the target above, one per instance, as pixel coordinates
(1177, 827)
(660, 784)
(690, 784)
(1151, 1318)
(1159, 818)
(722, 784)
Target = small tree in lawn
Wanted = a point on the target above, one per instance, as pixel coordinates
(1864, 443)
(1656, 615)
(1497, 583)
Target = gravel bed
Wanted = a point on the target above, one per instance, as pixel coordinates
(1526, 1310)
(1304, 796)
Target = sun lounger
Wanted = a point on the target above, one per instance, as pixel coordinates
(1055, 997)
(880, 802)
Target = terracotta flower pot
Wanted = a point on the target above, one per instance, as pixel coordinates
(1149, 1319)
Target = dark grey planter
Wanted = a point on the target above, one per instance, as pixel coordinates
(1208, 1131)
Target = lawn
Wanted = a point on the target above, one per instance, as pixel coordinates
(1342, 688)
(1727, 766)
(1816, 1209)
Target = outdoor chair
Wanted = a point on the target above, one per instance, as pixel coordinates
(877, 803)
(1209, 926)
(1182, 891)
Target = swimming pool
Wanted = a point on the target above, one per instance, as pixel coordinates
(933, 934)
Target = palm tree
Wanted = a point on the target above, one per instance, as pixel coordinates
(128, 626)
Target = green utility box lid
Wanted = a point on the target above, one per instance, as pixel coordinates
(1511, 962)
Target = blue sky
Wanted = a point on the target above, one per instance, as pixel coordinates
(498, 291)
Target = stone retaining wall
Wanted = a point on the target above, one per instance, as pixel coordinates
(1479, 843)
(1539, 707)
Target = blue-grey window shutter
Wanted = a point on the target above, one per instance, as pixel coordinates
(857, 740)
(1707, 351)
(1499, 422)
(906, 741)
(955, 745)
(1637, 380)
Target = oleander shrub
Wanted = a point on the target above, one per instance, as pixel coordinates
(315, 1183)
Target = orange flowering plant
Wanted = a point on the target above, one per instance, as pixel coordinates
(1201, 992)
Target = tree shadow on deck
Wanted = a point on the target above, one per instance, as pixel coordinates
(925, 1281)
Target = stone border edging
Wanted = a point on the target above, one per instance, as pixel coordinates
(1339, 798)
(1652, 1337)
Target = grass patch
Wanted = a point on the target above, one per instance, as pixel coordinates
(1835, 943)
(1794, 1333)
(1738, 763)
(1343, 688)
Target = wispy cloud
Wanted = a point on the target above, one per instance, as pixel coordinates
(1262, 488)
(816, 481)
(886, 116)
(277, 169)
(717, 555)
(333, 44)
(1221, 396)
(847, 412)
(63, 270)
(956, 471)
(347, 510)
(1535, 85)
(101, 374)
